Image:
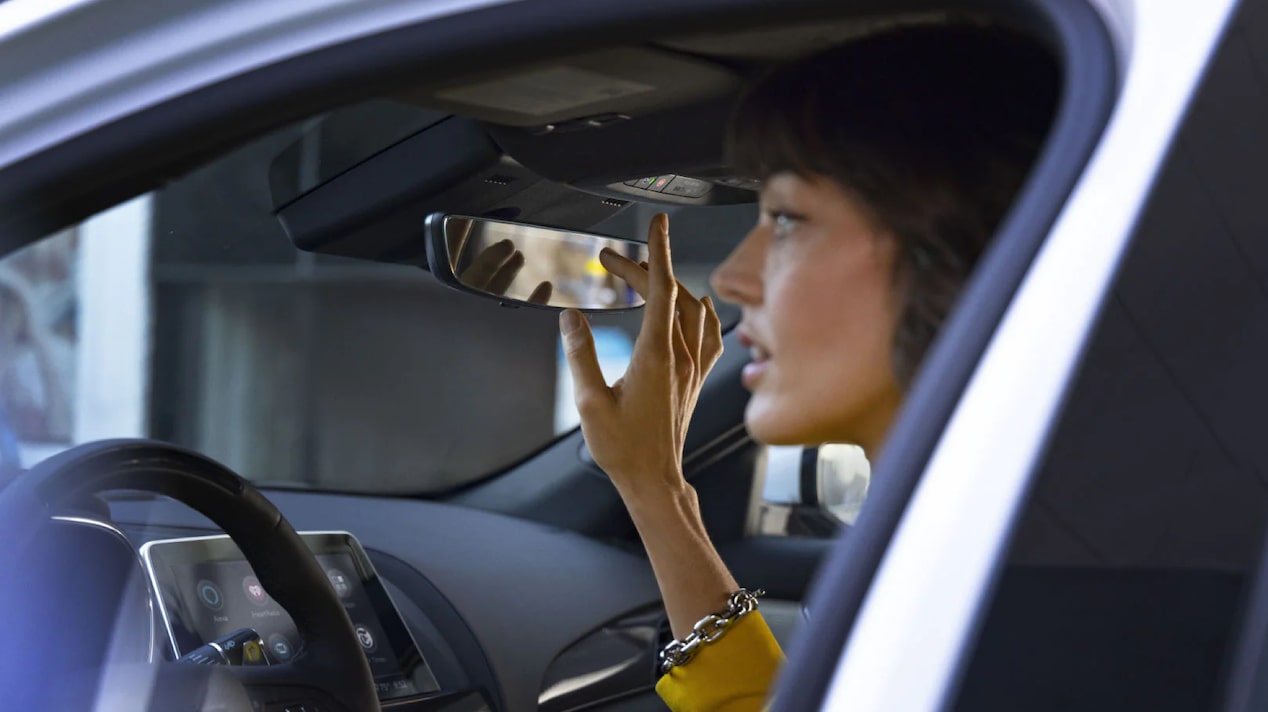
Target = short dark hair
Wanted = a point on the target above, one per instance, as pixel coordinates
(932, 127)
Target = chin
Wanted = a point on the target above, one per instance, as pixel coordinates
(770, 425)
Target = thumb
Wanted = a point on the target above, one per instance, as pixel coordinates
(583, 362)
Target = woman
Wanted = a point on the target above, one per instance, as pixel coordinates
(886, 164)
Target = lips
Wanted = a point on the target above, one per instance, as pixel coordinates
(753, 370)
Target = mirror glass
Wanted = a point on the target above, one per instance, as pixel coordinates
(844, 475)
(528, 264)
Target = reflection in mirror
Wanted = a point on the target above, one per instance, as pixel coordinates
(844, 475)
(528, 264)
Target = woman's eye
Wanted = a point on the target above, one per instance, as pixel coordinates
(784, 224)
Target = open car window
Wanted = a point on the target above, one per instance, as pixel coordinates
(187, 315)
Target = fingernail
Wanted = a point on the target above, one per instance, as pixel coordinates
(569, 321)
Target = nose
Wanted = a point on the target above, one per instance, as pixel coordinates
(739, 278)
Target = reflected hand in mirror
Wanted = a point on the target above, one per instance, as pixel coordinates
(517, 263)
(496, 267)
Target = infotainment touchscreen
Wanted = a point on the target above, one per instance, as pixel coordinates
(207, 590)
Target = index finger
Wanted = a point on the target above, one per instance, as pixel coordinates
(662, 288)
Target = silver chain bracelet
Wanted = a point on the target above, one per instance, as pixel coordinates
(708, 629)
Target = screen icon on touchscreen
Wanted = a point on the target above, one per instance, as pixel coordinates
(254, 591)
(280, 647)
(210, 595)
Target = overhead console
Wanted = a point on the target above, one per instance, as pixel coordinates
(627, 160)
(565, 142)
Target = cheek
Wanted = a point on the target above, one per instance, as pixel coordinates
(833, 309)
(832, 326)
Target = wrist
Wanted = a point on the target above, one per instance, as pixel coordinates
(656, 499)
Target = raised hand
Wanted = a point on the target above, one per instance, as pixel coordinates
(635, 428)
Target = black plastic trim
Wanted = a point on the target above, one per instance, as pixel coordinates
(448, 622)
(1089, 91)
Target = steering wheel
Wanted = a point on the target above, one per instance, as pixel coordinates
(328, 672)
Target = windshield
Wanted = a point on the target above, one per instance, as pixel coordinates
(187, 315)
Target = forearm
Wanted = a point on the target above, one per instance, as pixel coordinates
(693, 580)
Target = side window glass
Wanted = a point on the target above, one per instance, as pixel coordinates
(38, 334)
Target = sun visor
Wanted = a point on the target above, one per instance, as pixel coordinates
(375, 209)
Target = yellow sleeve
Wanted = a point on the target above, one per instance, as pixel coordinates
(732, 674)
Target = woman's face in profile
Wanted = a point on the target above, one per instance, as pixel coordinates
(815, 280)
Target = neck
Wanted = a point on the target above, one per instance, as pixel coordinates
(870, 434)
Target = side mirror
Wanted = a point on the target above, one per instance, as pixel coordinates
(529, 265)
(811, 491)
(841, 478)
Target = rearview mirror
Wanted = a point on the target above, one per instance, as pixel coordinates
(528, 264)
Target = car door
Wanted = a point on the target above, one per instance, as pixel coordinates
(1084, 530)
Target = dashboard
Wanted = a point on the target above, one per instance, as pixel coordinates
(461, 609)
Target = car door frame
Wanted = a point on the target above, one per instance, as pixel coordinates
(903, 639)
